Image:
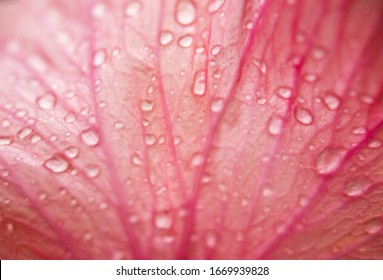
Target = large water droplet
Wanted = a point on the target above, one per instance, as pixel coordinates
(217, 105)
(303, 116)
(90, 137)
(199, 86)
(5, 140)
(329, 160)
(166, 37)
(373, 226)
(275, 125)
(133, 8)
(99, 58)
(331, 101)
(215, 5)
(147, 105)
(92, 170)
(357, 186)
(163, 221)
(57, 164)
(284, 92)
(186, 41)
(46, 102)
(185, 12)
(71, 152)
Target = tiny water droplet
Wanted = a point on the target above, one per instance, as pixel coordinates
(249, 25)
(331, 101)
(310, 78)
(177, 140)
(373, 226)
(357, 186)
(284, 92)
(211, 239)
(21, 113)
(318, 53)
(118, 125)
(133, 9)
(329, 160)
(46, 102)
(71, 152)
(215, 49)
(200, 50)
(25, 132)
(98, 10)
(147, 105)
(150, 139)
(92, 170)
(163, 221)
(375, 144)
(197, 160)
(99, 57)
(261, 65)
(199, 86)
(275, 125)
(303, 116)
(359, 130)
(6, 123)
(217, 105)
(70, 118)
(215, 5)
(166, 37)
(103, 206)
(186, 41)
(57, 164)
(136, 159)
(5, 140)
(42, 196)
(185, 12)
(90, 137)
(35, 138)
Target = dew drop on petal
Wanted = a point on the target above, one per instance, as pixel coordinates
(197, 160)
(71, 152)
(329, 160)
(42, 196)
(217, 105)
(90, 137)
(374, 144)
(373, 226)
(25, 132)
(70, 118)
(46, 102)
(150, 139)
(57, 164)
(275, 125)
(185, 12)
(5, 140)
(331, 101)
(199, 83)
(215, 50)
(92, 170)
(215, 5)
(99, 58)
(147, 105)
(359, 130)
(136, 159)
(133, 8)
(284, 92)
(163, 221)
(98, 10)
(357, 186)
(186, 41)
(211, 239)
(166, 37)
(118, 125)
(303, 116)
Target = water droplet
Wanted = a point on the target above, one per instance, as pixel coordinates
(249, 25)
(200, 50)
(99, 58)
(331, 101)
(284, 92)
(217, 105)
(136, 159)
(215, 5)
(71, 152)
(92, 170)
(303, 116)
(70, 118)
(57, 164)
(5, 140)
(357, 186)
(103, 206)
(35, 138)
(197, 160)
(373, 226)
(261, 65)
(310, 78)
(133, 8)
(359, 130)
(46, 102)
(177, 140)
(329, 160)
(185, 12)
(211, 239)
(150, 139)
(118, 125)
(98, 10)
(216, 50)
(6, 123)
(25, 132)
(163, 221)
(90, 137)
(147, 105)
(318, 53)
(375, 144)
(166, 37)
(199, 86)
(275, 125)
(42, 196)
(186, 41)
(4, 173)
